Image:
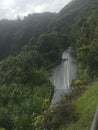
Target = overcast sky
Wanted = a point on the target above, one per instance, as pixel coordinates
(10, 9)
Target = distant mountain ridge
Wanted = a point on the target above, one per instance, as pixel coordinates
(14, 34)
(71, 13)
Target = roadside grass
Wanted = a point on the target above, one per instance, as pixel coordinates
(85, 106)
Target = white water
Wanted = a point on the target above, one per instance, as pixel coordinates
(62, 75)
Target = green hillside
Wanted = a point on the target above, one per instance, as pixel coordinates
(14, 34)
(85, 106)
(73, 12)
(25, 90)
(28, 48)
(79, 20)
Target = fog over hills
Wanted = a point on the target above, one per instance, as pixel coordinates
(11, 9)
(31, 47)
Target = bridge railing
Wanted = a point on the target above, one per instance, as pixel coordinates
(95, 121)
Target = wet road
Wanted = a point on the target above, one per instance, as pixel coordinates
(61, 76)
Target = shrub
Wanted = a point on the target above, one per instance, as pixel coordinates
(56, 116)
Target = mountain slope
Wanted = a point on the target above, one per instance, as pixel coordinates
(85, 106)
(72, 13)
(79, 20)
(25, 90)
(14, 34)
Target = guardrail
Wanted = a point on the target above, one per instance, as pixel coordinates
(95, 121)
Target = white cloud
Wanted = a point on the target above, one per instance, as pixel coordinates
(12, 8)
(38, 9)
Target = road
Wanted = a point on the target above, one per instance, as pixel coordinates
(61, 76)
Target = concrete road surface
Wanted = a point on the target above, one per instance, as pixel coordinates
(62, 75)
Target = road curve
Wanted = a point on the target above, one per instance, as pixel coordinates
(62, 75)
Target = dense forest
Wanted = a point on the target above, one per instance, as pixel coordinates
(80, 20)
(30, 47)
(14, 34)
(25, 91)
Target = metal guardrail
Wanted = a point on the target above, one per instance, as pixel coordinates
(95, 121)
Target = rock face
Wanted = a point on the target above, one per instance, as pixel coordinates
(62, 75)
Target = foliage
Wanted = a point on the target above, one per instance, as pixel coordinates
(76, 83)
(85, 106)
(51, 47)
(71, 13)
(25, 90)
(56, 116)
(87, 45)
(14, 34)
(79, 20)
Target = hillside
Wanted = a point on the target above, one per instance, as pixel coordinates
(28, 48)
(14, 34)
(76, 10)
(79, 20)
(85, 106)
(25, 90)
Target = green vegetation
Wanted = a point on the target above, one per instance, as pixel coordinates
(79, 20)
(28, 48)
(51, 47)
(58, 115)
(76, 10)
(24, 89)
(74, 112)
(85, 106)
(14, 34)
(86, 44)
